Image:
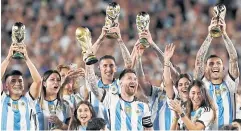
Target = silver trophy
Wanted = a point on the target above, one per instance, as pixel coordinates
(111, 19)
(18, 35)
(219, 12)
(142, 24)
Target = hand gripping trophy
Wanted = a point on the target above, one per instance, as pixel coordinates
(83, 37)
(18, 35)
(219, 12)
(142, 23)
(111, 19)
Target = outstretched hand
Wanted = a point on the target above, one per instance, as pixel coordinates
(169, 50)
(73, 74)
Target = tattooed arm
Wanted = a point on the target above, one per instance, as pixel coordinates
(92, 81)
(160, 54)
(233, 57)
(125, 53)
(200, 58)
(145, 86)
(98, 42)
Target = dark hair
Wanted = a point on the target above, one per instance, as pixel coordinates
(228, 127)
(96, 124)
(213, 56)
(46, 76)
(237, 120)
(43, 92)
(13, 73)
(183, 76)
(75, 121)
(126, 71)
(207, 102)
(107, 57)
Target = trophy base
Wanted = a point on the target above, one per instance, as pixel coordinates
(18, 56)
(91, 60)
(216, 32)
(111, 35)
(144, 43)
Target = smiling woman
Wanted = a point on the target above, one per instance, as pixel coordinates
(200, 112)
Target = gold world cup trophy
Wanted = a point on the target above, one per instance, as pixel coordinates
(83, 37)
(18, 35)
(142, 24)
(111, 19)
(219, 11)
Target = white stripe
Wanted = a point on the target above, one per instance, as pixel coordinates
(10, 119)
(123, 116)
(134, 115)
(22, 111)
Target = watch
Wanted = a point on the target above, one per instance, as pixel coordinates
(182, 115)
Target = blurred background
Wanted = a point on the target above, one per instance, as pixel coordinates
(51, 24)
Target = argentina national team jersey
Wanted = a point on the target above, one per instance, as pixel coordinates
(17, 114)
(202, 115)
(99, 108)
(161, 114)
(127, 115)
(223, 96)
(62, 111)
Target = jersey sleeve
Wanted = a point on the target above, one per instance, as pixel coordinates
(232, 83)
(146, 119)
(206, 118)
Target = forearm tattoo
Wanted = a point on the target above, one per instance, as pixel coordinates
(200, 58)
(233, 57)
(125, 54)
(92, 81)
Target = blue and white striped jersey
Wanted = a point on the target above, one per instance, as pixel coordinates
(18, 114)
(223, 96)
(203, 115)
(125, 115)
(62, 111)
(99, 108)
(161, 114)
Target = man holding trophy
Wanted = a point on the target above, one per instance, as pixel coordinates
(221, 87)
(18, 108)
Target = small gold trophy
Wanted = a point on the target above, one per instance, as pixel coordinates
(142, 24)
(18, 35)
(111, 19)
(83, 37)
(219, 11)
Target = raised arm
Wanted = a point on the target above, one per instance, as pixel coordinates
(35, 86)
(92, 81)
(201, 54)
(233, 57)
(169, 50)
(159, 53)
(6, 61)
(98, 42)
(124, 51)
(145, 86)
